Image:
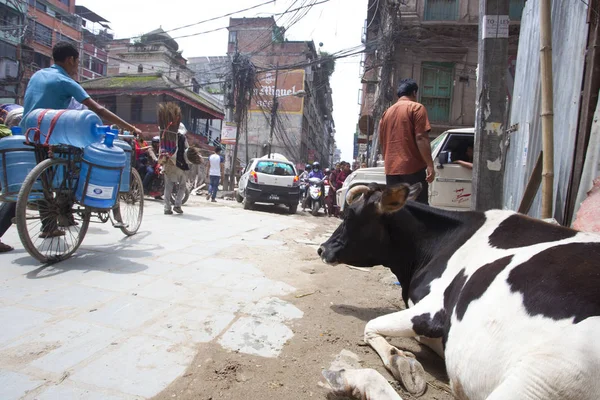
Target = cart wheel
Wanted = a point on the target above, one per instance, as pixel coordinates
(50, 224)
(130, 207)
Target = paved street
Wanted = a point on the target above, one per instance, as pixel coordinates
(123, 318)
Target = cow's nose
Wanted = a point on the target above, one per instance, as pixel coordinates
(320, 251)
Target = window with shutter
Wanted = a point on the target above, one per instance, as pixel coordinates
(436, 90)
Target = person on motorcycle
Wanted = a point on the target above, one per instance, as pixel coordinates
(316, 172)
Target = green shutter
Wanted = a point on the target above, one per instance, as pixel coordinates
(516, 9)
(441, 10)
(437, 80)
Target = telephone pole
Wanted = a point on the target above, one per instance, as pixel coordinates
(274, 110)
(490, 117)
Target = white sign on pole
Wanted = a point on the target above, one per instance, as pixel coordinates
(228, 133)
(362, 147)
(495, 26)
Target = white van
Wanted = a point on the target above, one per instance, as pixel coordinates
(451, 188)
(269, 180)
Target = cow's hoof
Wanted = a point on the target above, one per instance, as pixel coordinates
(409, 372)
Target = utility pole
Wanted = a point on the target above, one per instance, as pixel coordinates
(490, 117)
(229, 107)
(274, 110)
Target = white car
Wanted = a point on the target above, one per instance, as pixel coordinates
(269, 180)
(451, 188)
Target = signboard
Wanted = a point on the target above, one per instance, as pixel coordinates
(228, 133)
(495, 26)
(362, 147)
(288, 83)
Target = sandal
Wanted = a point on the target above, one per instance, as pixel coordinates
(5, 248)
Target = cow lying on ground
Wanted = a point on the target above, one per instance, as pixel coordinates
(511, 303)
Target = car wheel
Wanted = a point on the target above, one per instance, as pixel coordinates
(238, 197)
(247, 203)
(293, 208)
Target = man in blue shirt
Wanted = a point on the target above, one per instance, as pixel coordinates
(54, 88)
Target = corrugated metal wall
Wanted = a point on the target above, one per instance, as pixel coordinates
(569, 38)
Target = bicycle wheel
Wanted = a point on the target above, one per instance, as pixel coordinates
(51, 225)
(130, 207)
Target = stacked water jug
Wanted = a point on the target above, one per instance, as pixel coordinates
(105, 168)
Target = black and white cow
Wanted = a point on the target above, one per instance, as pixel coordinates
(511, 303)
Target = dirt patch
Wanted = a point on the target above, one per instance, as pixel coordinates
(336, 301)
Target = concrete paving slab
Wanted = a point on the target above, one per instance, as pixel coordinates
(273, 309)
(67, 391)
(58, 347)
(169, 290)
(13, 385)
(256, 336)
(108, 281)
(183, 324)
(141, 366)
(72, 298)
(126, 312)
(17, 321)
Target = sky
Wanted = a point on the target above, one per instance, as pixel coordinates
(336, 23)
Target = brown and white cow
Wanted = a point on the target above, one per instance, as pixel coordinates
(511, 303)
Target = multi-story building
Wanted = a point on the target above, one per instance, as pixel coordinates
(13, 17)
(295, 72)
(96, 37)
(155, 52)
(434, 42)
(49, 22)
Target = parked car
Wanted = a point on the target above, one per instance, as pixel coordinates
(269, 180)
(451, 188)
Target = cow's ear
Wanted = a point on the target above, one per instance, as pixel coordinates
(394, 198)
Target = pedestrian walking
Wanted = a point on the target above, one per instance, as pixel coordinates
(173, 154)
(215, 173)
(404, 137)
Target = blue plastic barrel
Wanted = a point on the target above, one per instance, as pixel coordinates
(126, 176)
(16, 162)
(100, 174)
(78, 128)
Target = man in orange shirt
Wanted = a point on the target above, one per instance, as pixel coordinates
(403, 133)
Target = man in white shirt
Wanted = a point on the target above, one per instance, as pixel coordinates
(215, 173)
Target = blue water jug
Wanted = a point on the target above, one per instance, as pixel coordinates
(78, 128)
(100, 174)
(16, 162)
(126, 176)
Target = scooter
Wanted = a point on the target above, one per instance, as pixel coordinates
(315, 198)
(157, 187)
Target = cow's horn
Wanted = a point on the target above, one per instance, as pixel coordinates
(355, 191)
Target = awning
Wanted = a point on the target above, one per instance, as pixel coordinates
(88, 14)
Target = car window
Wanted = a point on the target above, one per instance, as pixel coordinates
(275, 168)
(457, 144)
(436, 142)
(248, 166)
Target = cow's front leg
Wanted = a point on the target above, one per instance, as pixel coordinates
(363, 384)
(402, 364)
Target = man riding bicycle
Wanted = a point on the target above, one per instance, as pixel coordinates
(54, 88)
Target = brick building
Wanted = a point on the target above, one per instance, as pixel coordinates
(304, 126)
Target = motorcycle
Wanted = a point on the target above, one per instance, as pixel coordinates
(303, 189)
(315, 198)
(157, 187)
